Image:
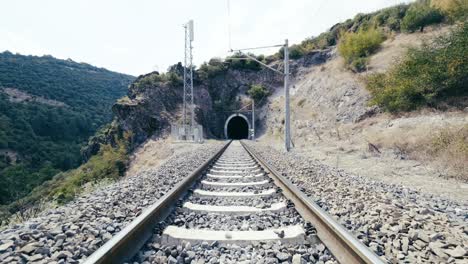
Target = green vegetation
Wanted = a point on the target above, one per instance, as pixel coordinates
(296, 52)
(109, 163)
(173, 77)
(387, 19)
(257, 92)
(37, 139)
(390, 18)
(241, 62)
(420, 15)
(427, 76)
(213, 68)
(84, 88)
(403, 17)
(356, 47)
(453, 9)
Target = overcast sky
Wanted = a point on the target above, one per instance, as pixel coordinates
(140, 36)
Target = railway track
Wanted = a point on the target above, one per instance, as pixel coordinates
(234, 200)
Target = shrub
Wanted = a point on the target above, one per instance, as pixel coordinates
(108, 163)
(241, 62)
(426, 76)
(261, 58)
(391, 17)
(272, 58)
(354, 47)
(296, 52)
(149, 80)
(174, 79)
(453, 9)
(420, 15)
(257, 92)
(359, 64)
(211, 69)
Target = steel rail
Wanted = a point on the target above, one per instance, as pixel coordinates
(125, 244)
(342, 244)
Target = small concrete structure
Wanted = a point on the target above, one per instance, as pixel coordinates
(229, 167)
(276, 207)
(187, 133)
(221, 163)
(234, 171)
(200, 192)
(175, 235)
(234, 184)
(237, 160)
(234, 176)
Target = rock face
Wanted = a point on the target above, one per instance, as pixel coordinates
(226, 92)
(148, 109)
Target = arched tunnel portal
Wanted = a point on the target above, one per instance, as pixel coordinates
(237, 126)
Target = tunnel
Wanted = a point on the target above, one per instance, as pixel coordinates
(237, 127)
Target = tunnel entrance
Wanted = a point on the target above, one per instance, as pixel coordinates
(237, 127)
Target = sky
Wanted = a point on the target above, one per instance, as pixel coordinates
(140, 36)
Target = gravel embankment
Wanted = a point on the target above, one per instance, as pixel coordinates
(72, 232)
(401, 224)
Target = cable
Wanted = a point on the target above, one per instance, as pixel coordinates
(229, 22)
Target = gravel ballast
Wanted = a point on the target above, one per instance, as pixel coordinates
(401, 224)
(305, 249)
(72, 232)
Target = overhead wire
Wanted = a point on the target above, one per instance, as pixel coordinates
(229, 22)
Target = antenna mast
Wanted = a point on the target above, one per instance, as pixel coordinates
(188, 76)
(189, 130)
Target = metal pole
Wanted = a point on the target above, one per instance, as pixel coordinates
(287, 135)
(185, 78)
(253, 119)
(191, 87)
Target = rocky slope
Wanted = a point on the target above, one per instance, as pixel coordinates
(333, 122)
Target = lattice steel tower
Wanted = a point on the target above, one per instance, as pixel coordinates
(188, 77)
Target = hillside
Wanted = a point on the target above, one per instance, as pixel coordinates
(335, 123)
(48, 108)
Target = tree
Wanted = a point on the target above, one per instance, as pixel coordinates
(453, 9)
(257, 92)
(420, 15)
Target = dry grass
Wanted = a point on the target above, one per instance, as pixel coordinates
(450, 148)
(446, 148)
(149, 155)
